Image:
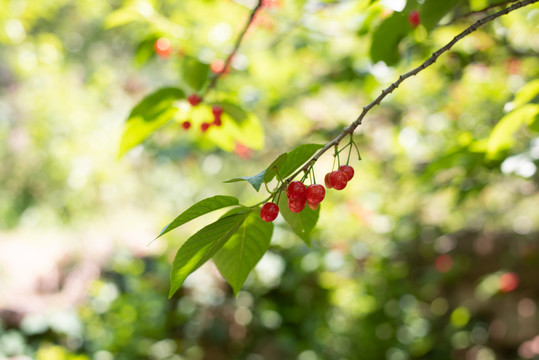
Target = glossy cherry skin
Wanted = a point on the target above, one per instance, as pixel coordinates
(194, 99)
(315, 193)
(297, 205)
(348, 170)
(186, 125)
(413, 18)
(269, 212)
(296, 191)
(327, 182)
(338, 179)
(313, 206)
(204, 126)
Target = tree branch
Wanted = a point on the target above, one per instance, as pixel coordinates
(431, 60)
(477, 12)
(236, 47)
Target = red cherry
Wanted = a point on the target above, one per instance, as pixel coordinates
(194, 99)
(162, 47)
(186, 125)
(217, 110)
(348, 170)
(204, 126)
(327, 181)
(296, 191)
(269, 212)
(338, 179)
(315, 193)
(217, 121)
(413, 18)
(313, 206)
(296, 205)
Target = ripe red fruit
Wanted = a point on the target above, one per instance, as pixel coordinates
(296, 205)
(296, 191)
(327, 181)
(313, 206)
(413, 17)
(338, 179)
(194, 99)
(269, 212)
(186, 125)
(315, 194)
(162, 47)
(217, 121)
(217, 111)
(204, 126)
(348, 170)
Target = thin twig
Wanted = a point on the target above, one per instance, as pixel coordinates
(431, 60)
(482, 11)
(235, 49)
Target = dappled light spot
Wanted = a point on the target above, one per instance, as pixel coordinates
(443, 263)
(509, 282)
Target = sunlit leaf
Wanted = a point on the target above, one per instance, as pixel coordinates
(200, 208)
(294, 160)
(121, 17)
(501, 137)
(200, 247)
(302, 223)
(527, 93)
(243, 250)
(154, 111)
(255, 180)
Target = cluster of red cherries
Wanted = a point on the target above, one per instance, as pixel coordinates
(194, 100)
(300, 195)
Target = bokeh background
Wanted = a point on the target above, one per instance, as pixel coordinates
(431, 252)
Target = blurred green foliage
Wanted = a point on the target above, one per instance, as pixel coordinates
(409, 261)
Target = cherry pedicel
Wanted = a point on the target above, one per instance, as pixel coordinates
(296, 191)
(348, 170)
(204, 126)
(297, 205)
(194, 99)
(413, 18)
(269, 212)
(186, 125)
(338, 179)
(315, 194)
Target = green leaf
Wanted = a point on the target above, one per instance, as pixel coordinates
(294, 159)
(194, 73)
(386, 39)
(200, 247)
(145, 51)
(121, 17)
(154, 111)
(270, 172)
(237, 258)
(433, 11)
(200, 208)
(255, 180)
(258, 179)
(501, 137)
(301, 223)
(527, 93)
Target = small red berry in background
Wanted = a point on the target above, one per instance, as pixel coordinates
(217, 110)
(297, 205)
(413, 17)
(204, 126)
(242, 151)
(338, 179)
(315, 193)
(194, 99)
(443, 263)
(327, 182)
(296, 191)
(269, 212)
(218, 66)
(162, 47)
(217, 121)
(186, 125)
(348, 170)
(271, 3)
(509, 282)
